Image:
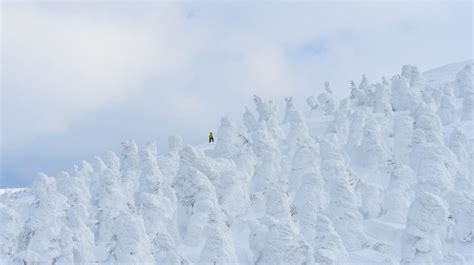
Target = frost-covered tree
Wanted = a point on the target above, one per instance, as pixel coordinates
(226, 145)
(267, 113)
(357, 95)
(312, 103)
(326, 102)
(399, 194)
(461, 207)
(77, 217)
(372, 153)
(40, 240)
(310, 200)
(368, 90)
(298, 132)
(425, 229)
(382, 100)
(431, 125)
(447, 111)
(340, 125)
(169, 162)
(86, 171)
(232, 190)
(289, 110)
(356, 128)
(285, 246)
(9, 230)
(249, 120)
(403, 97)
(416, 80)
(130, 168)
(130, 244)
(112, 161)
(196, 198)
(304, 161)
(402, 137)
(468, 108)
(94, 189)
(429, 162)
(268, 168)
(120, 234)
(343, 209)
(458, 143)
(328, 246)
(219, 248)
(157, 198)
(233, 143)
(463, 85)
(370, 199)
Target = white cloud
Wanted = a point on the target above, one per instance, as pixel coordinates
(59, 67)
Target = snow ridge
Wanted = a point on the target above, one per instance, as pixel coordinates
(384, 176)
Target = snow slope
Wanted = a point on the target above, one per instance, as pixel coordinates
(382, 177)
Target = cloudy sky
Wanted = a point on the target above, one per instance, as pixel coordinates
(79, 78)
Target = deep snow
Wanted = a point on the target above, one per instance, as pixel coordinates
(383, 176)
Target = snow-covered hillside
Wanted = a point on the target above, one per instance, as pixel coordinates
(384, 176)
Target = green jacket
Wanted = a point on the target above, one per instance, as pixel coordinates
(210, 136)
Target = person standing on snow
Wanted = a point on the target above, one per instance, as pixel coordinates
(211, 137)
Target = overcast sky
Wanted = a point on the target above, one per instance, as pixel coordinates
(77, 79)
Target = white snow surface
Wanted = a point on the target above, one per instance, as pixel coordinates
(382, 177)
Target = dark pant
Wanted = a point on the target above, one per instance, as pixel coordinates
(211, 139)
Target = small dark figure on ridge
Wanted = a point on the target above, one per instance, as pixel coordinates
(211, 137)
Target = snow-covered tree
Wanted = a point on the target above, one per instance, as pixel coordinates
(458, 143)
(357, 95)
(219, 248)
(40, 241)
(9, 230)
(249, 120)
(196, 198)
(431, 125)
(312, 103)
(112, 161)
(298, 132)
(399, 194)
(343, 209)
(267, 113)
(403, 97)
(425, 229)
(304, 161)
(285, 246)
(402, 137)
(340, 125)
(468, 108)
(157, 199)
(326, 102)
(77, 217)
(130, 167)
(120, 234)
(328, 246)
(461, 207)
(356, 128)
(268, 168)
(447, 111)
(463, 85)
(169, 162)
(382, 100)
(310, 200)
(372, 153)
